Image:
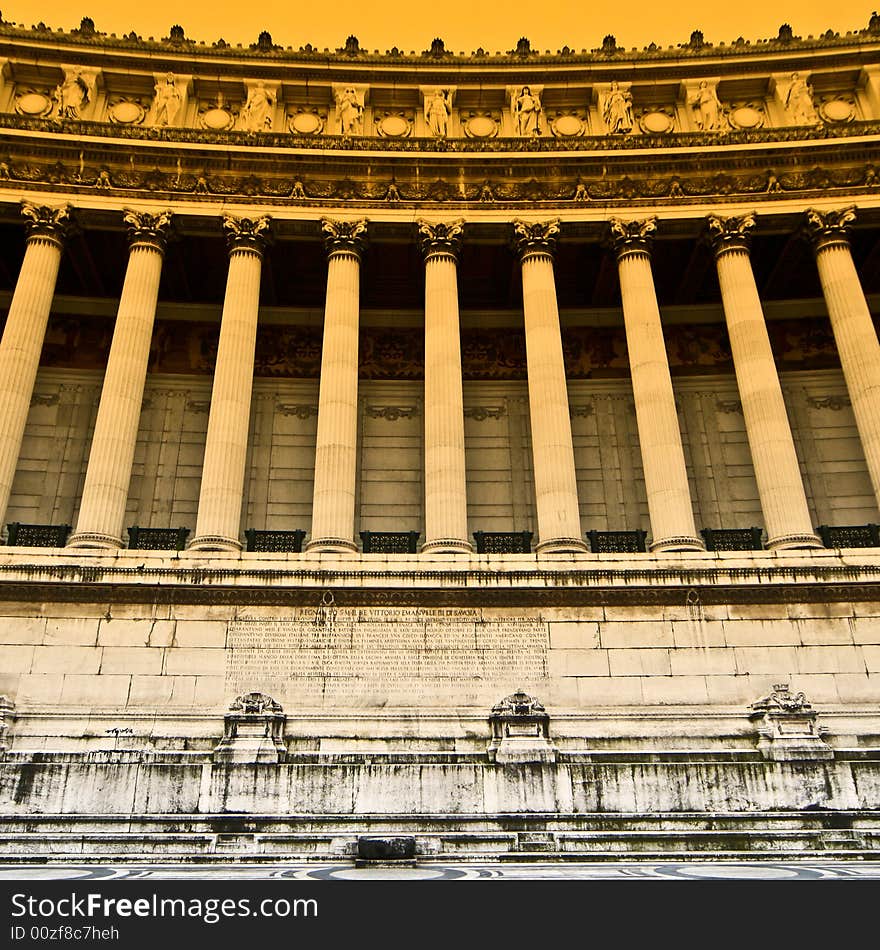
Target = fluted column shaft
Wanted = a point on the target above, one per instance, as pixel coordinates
(853, 328)
(777, 470)
(666, 482)
(24, 333)
(445, 475)
(556, 499)
(105, 493)
(336, 448)
(222, 488)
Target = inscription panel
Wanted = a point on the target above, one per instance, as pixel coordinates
(386, 657)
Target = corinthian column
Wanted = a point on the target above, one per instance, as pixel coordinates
(666, 483)
(559, 522)
(105, 493)
(853, 328)
(25, 329)
(777, 471)
(336, 452)
(445, 480)
(220, 496)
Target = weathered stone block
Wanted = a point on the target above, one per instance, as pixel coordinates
(575, 635)
(639, 662)
(69, 659)
(635, 634)
(196, 660)
(760, 633)
(131, 660)
(711, 662)
(577, 663)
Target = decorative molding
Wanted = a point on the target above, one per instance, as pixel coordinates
(731, 233)
(300, 410)
(440, 237)
(391, 413)
(729, 406)
(348, 236)
(536, 236)
(628, 236)
(833, 402)
(44, 399)
(145, 227)
(481, 413)
(825, 228)
(42, 221)
(250, 234)
(580, 411)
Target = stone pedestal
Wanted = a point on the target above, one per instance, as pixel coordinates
(853, 328)
(25, 330)
(777, 471)
(336, 450)
(787, 728)
(520, 731)
(253, 731)
(445, 479)
(102, 509)
(666, 481)
(220, 496)
(556, 500)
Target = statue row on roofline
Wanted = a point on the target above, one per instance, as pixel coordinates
(254, 107)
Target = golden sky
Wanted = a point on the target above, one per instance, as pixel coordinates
(463, 24)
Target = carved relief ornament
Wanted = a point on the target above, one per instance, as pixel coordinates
(732, 233)
(440, 237)
(145, 227)
(531, 237)
(628, 236)
(246, 233)
(825, 228)
(348, 236)
(41, 221)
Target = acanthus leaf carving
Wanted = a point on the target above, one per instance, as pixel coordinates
(632, 235)
(344, 235)
(730, 232)
(45, 221)
(246, 233)
(536, 236)
(145, 227)
(831, 226)
(439, 237)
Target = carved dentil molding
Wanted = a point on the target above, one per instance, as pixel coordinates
(442, 237)
(41, 221)
(535, 236)
(732, 233)
(145, 227)
(344, 235)
(829, 227)
(246, 233)
(626, 236)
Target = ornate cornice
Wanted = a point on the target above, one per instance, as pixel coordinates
(145, 227)
(825, 228)
(348, 236)
(440, 238)
(41, 221)
(250, 234)
(730, 234)
(535, 237)
(626, 237)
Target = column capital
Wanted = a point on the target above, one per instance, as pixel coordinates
(535, 237)
(825, 228)
(440, 237)
(348, 236)
(246, 234)
(730, 234)
(42, 221)
(627, 237)
(146, 227)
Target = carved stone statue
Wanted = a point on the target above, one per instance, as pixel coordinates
(72, 95)
(799, 101)
(166, 103)
(350, 110)
(617, 109)
(256, 116)
(707, 107)
(438, 108)
(526, 108)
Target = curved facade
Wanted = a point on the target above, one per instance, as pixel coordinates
(409, 441)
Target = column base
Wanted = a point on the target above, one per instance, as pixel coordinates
(447, 546)
(681, 543)
(791, 542)
(561, 546)
(331, 546)
(93, 539)
(214, 542)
